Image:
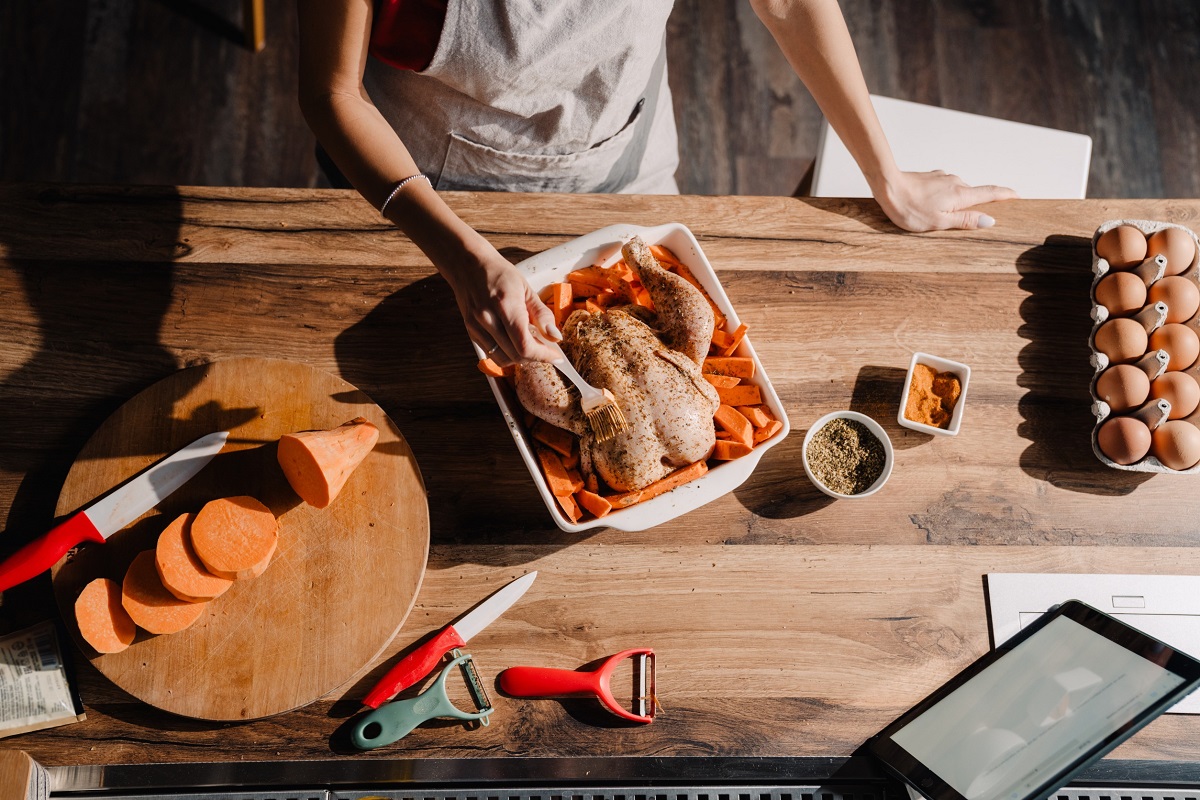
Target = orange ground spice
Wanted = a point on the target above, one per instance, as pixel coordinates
(932, 396)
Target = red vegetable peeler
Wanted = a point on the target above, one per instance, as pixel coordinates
(546, 682)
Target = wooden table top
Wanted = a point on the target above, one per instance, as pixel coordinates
(786, 624)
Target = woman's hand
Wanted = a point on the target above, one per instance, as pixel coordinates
(501, 311)
(934, 201)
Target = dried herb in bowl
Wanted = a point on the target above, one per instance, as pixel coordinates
(845, 456)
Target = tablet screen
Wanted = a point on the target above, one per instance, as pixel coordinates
(1045, 705)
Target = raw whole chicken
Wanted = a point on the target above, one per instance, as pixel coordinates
(651, 362)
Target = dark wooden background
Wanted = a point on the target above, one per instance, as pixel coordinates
(162, 92)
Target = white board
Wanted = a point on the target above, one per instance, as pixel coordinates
(1038, 162)
(1166, 607)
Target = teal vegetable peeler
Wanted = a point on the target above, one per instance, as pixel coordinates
(395, 720)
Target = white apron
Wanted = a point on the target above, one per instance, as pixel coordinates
(540, 96)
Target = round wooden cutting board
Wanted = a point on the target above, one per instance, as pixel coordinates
(343, 578)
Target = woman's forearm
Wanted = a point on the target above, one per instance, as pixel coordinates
(813, 37)
(499, 309)
(367, 150)
(373, 158)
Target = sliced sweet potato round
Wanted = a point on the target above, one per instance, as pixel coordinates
(149, 603)
(181, 570)
(235, 537)
(103, 621)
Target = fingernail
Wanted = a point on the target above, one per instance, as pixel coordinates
(555, 333)
(985, 221)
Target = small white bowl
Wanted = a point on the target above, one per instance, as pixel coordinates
(871, 425)
(941, 365)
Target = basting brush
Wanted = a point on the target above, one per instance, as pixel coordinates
(600, 408)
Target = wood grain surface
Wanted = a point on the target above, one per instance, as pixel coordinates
(17, 775)
(342, 579)
(787, 624)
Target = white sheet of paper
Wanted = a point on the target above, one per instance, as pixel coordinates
(1166, 607)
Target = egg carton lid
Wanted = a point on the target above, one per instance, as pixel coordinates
(1099, 361)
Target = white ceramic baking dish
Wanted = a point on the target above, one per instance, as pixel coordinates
(604, 247)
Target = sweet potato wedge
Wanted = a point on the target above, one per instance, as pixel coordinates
(593, 502)
(318, 463)
(557, 478)
(721, 381)
(729, 449)
(758, 418)
(569, 507)
(557, 439)
(733, 366)
(738, 426)
(744, 394)
(767, 431)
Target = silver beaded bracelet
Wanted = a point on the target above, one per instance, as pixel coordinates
(400, 185)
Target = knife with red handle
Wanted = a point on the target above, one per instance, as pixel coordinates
(112, 512)
(420, 662)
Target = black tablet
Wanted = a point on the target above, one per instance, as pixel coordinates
(1020, 721)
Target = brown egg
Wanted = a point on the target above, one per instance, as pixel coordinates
(1121, 340)
(1177, 388)
(1176, 444)
(1179, 340)
(1122, 293)
(1174, 243)
(1180, 294)
(1125, 440)
(1123, 387)
(1122, 247)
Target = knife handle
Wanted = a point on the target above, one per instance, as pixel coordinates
(44, 552)
(414, 666)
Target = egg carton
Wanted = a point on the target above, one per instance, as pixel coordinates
(1100, 362)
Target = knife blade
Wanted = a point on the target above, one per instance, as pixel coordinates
(112, 512)
(420, 662)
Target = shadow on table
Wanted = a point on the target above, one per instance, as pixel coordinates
(780, 489)
(411, 354)
(91, 280)
(1056, 371)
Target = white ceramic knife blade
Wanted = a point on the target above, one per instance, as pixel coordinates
(112, 512)
(489, 610)
(151, 486)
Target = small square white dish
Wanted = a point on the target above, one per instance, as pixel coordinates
(962, 371)
(604, 247)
